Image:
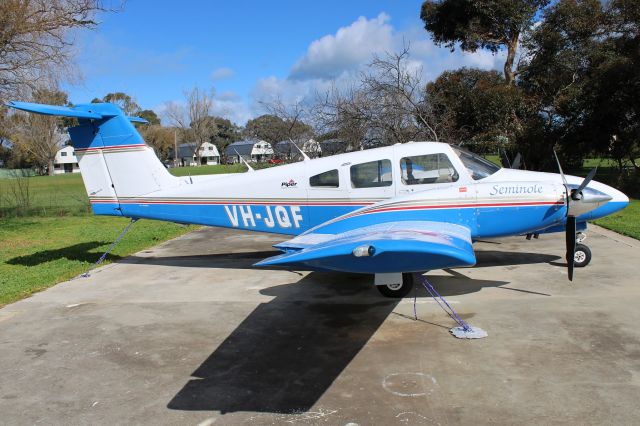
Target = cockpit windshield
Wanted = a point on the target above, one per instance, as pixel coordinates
(478, 167)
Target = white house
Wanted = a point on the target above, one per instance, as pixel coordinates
(65, 161)
(208, 154)
(255, 151)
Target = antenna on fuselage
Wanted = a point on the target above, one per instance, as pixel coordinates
(305, 157)
(250, 169)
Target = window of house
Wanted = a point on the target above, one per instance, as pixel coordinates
(372, 174)
(63, 154)
(328, 179)
(210, 148)
(425, 169)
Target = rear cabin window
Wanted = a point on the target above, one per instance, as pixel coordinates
(425, 169)
(328, 179)
(371, 175)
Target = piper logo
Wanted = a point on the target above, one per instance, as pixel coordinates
(291, 184)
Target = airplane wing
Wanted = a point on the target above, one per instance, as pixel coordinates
(404, 246)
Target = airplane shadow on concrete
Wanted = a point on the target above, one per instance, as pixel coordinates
(82, 252)
(245, 260)
(285, 355)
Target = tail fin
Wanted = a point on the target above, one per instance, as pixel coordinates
(114, 161)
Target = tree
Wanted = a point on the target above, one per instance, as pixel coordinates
(35, 42)
(481, 24)
(584, 74)
(479, 108)
(195, 118)
(160, 138)
(386, 106)
(291, 126)
(227, 133)
(150, 116)
(38, 135)
(273, 129)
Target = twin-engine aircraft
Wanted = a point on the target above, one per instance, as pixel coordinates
(389, 211)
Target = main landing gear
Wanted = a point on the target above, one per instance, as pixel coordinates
(582, 255)
(395, 285)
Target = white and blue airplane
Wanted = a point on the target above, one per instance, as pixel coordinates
(389, 211)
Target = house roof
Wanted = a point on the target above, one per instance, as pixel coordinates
(242, 147)
(188, 149)
(286, 147)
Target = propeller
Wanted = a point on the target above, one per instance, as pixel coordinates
(577, 203)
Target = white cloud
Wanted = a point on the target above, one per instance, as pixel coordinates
(347, 49)
(337, 59)
(222, 73)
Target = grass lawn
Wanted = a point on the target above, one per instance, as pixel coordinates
(626, 222)
(37, 252)
(64, 195)
(208, 170)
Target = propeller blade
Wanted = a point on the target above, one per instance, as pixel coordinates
(570, 236)
(564, 180)
(588, 179)
(516, 161)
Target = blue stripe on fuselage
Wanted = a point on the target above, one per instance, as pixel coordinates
(294, 219)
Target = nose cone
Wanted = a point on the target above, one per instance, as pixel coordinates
(617, 202)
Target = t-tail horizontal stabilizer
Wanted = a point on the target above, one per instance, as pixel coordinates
(73, 112)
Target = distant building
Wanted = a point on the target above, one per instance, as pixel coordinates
(209, 154)
(251, 151)
(286, 150)
(65, 161)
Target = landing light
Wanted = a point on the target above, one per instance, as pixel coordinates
(362, 251)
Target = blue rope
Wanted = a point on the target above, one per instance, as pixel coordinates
(111, 247)
(436, 296)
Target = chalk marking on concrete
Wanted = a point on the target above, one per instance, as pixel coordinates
(312, 415)
(207, 422)
(407, 415)
(419, 378)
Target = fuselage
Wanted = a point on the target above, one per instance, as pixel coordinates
(413, 181)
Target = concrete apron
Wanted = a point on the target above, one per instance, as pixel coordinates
(189, 333)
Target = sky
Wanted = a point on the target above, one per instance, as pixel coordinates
(250, 51)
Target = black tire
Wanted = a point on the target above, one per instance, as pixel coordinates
(582, 256)
(400, 291)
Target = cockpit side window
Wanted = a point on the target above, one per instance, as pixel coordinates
(372, 174)
(329, 179)
(478, 167)
(425, 169)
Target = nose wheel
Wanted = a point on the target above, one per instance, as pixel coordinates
(582, 256)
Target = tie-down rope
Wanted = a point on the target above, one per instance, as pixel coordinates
(441, 302)
(111, 247)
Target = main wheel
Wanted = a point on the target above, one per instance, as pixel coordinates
(582, 256)
(399, 290)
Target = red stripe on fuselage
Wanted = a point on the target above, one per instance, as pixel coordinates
(108, 147)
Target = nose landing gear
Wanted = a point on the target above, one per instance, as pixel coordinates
(582, 255)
